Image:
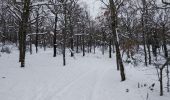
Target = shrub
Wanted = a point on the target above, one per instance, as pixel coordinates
(6, 50)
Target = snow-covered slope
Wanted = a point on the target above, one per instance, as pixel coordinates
(93, 77)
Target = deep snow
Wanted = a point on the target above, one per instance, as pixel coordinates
(93, 77)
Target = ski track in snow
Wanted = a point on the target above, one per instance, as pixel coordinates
(87, 84)
(77, 81)
(93, 77)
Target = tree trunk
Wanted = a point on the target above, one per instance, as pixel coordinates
(64, 47)
(37, 30)
(149, 52)
(144, 42)
(64, 34)
(77, 44)
(103, 42)
(110, 48)
(54, 38)
(71, 41)
(161, 83)
(94, 46)
(23, 30)
(30, 43)
(44, 42)
(113, 23)
(83, 46)
(164, 43)
(167, 74)
(20, 40)
(161, 76)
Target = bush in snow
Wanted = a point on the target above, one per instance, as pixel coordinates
(6, 50)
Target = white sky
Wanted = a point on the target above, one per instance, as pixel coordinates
(93, 6)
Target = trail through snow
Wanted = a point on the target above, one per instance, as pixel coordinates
(93, 77)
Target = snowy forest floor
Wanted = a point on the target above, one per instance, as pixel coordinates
(93, 77)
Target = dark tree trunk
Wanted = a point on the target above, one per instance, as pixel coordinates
(161, 75)
(167, 74)
(83, 46)
(165, 48)
(64, 47)
(23, 30)
(110, 48)
(72, 46)
(164, 43)
(37, 30)
(155, 44)
(161, 83)
(30, 43)
(54, 38)
(94, 46)
(90, 43)
(144, 42)
(113, 47)
(77, 44)
(20, 40)
(145, 31)
(117, 61)
(4, 29)
(103, 42)
(120, 62)
(80, 43)
(146, 63)
(149, 52)
(24, 49)
(71, 41)
(44, 42)
(113, 23)
(64, 33)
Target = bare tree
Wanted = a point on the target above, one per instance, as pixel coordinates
(114, 23)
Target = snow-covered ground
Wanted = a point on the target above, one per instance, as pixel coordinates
(93, 77)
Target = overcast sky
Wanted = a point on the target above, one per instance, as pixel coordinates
(93, 6)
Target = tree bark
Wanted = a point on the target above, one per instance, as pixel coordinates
(71, 40)
(64, 33)
(23, 30)
(164, 42)
(161, 83)
(144, 41)
(113, 23)
(110, 48)
(54, 38)
(83, 46)
(37, 30)
(77, 44)
(30, 44)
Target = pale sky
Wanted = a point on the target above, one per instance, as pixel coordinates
(93, 6)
